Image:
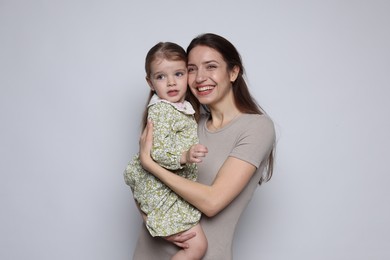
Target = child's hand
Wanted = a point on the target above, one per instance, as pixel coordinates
(196, 153)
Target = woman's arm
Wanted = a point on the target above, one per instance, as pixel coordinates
(229, 182)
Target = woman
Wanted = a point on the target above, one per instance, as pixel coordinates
(239, 137)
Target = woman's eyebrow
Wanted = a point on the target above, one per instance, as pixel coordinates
(204, 62)
(210, 61)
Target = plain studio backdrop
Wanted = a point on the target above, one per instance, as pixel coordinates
(73, 91)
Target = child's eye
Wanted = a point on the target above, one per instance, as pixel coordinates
(179, 74)
(160, 76)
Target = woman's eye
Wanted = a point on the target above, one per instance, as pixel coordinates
(211, 66)
(190, 69)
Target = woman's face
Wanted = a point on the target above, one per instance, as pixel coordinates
(208, 75)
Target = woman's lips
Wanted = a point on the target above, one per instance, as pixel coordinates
(204, 88)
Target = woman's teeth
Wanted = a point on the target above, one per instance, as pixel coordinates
(204, 88)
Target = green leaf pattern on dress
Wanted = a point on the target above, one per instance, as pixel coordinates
(173, 133)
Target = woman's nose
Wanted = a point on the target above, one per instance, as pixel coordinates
(200, 76)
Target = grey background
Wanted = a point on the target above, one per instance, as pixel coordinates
(73, 90)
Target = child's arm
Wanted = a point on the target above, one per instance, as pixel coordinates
(169, 134)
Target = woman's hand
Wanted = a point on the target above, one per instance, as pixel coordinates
(145, 145)
(180, 239)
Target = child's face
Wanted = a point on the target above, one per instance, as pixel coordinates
(169, 79)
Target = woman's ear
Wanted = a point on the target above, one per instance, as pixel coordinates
(149, 83)
(234, 73)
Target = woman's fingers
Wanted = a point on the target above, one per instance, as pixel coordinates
(181, 239)
(147, 133)
(145, 143)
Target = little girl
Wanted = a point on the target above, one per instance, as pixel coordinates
(175, 147)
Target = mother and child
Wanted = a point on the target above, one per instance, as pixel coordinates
(202, 152)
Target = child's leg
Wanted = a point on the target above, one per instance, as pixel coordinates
(197, 246)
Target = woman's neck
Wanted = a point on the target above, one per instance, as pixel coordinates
(222, 114)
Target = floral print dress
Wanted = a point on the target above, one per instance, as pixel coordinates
(175, 131)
